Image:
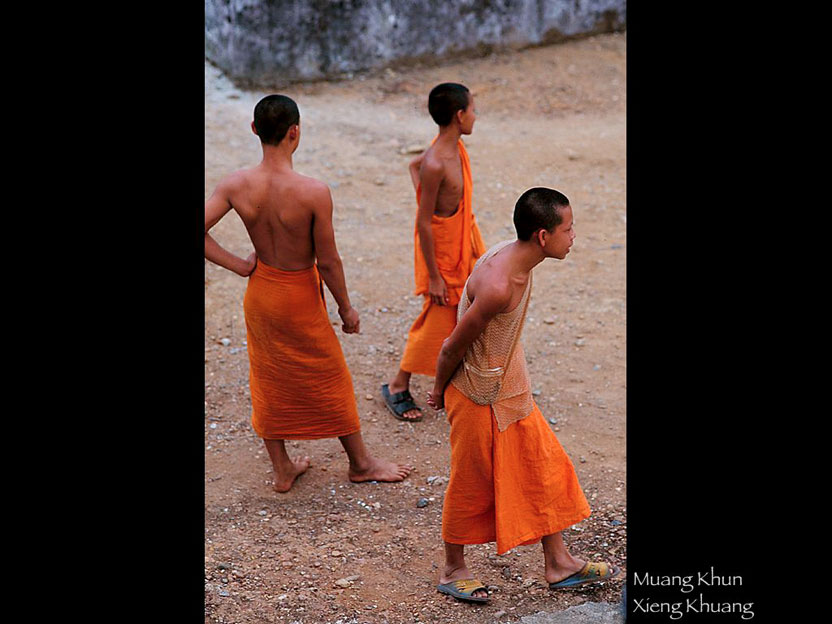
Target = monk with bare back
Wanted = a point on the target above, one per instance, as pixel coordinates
(301, 388)
(447, 241)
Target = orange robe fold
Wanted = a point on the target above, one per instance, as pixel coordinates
(510, 487)
(457, 243)
(301, 388)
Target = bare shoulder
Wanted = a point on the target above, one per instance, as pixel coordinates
(432, 164)
(310, 190)
(234, 181)
(491, 290)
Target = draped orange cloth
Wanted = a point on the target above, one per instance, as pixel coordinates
(510, 487)
(457, 240)
(457, 243)
(301, 388)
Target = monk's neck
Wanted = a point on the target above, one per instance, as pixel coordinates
(525, 256)
(276, 157)
(449, 136)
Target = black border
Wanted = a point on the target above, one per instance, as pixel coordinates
(705, 478)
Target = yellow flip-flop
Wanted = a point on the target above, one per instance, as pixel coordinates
(592, 572)
(463, 590)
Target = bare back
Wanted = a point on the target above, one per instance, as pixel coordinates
(278, 210)
(450, 188)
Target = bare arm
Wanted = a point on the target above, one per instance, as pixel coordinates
(431, 175)
(413, 168)
(215, 209)
(329, 261)
(488, 304)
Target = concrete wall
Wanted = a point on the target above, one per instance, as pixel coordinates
(262, 42)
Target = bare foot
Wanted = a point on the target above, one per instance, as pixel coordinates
(284, 479)
(379, 470)
(460, 574)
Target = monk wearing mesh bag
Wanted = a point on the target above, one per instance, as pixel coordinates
(511, 481)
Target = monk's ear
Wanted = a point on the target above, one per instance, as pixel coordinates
(253, 128)
(541, 236)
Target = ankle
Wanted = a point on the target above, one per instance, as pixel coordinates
(450, 568)
(360, 465)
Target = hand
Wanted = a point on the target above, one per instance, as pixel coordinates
(438, 291)
(350, 320)
(251, 262)
(436, 399)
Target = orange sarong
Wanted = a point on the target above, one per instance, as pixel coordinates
(301, 388)
(510, 487)
(457, 243)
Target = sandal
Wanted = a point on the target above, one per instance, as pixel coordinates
(463, 590)
(400, 403)
(590, 573)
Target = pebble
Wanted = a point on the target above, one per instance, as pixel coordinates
(536, 392)
(549, 321)
(553, 420)
(580, 342)
(369, 397)
(596, 367)
(499, 614)
(615, 522)
(225, 342)
(422, 502)
(583, 459)
(263, 512)
(343, 583)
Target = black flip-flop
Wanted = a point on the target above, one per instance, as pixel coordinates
(400, 403)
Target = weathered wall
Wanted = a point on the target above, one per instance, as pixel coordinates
(259, 42)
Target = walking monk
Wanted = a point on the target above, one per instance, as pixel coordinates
(511, 482)
(301, 388)
(447, 241)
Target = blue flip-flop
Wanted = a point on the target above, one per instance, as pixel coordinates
(463, 590)
(590, 573)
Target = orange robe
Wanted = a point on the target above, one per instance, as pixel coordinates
(301, 388)
(510, 487)
(457, 243)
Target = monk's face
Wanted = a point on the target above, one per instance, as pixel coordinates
(468, 117)
(556, 244)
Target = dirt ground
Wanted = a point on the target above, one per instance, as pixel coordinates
(331, 551)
